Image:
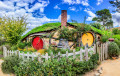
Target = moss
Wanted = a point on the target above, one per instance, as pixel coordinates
(44, 27)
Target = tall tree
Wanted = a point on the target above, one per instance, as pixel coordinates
(103, 16)
(12, 28)
(116, 4)
(109, 24)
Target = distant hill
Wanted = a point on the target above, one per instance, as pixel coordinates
(116, 27)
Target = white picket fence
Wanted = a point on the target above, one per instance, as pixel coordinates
(46, 56)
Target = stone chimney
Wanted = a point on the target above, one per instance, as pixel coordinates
(63, 18)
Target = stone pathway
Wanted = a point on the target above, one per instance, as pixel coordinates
(1, 73)
(110, 68)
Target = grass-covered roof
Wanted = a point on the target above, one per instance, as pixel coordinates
(44, 27)
(50, 26)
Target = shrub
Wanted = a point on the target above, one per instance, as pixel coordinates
(113, 50)
(28, 68)
(14, 47)
(28, 43)
(116, 31)
(56, 50)
(21, 45)
(117, 42)
(104, 38)
(63, 67)
(9, 63)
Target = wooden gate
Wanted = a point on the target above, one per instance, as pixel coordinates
(102, 50)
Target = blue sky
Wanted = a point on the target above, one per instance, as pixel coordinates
(44, 11)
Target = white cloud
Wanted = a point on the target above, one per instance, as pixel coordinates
(85, 3)
(56, 7)
(73, 8)
(71, 2)
(91, 15)
(4, 6)
(99, 2)
(40, 6)
(116, 19)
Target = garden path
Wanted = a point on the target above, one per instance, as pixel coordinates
(1, 73)
(110, 68)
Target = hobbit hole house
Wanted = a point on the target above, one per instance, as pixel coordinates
(46, 35)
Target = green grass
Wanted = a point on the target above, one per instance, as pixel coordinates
(76, 24)
(116, 36)
(44, 27)
(102, 32)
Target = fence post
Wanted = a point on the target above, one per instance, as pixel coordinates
(52, 55)
(74, 54)
(106, 50)
(103, 51)
(58, 56)
(86, 52)
(46, 56)
(19, 54)
(39, 58)
(33, 55)
(4, 51)
(81, 57)
(27, 55)
(23, 55)
(66, 54)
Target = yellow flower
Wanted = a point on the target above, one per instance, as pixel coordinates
(41, 51)
(20, 49)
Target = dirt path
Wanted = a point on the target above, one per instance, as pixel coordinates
(1, 73)
(110, 68)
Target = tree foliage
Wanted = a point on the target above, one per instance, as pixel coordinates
(116, 31)
(116, 4)
(104, 16)
(96, 25)
(12, 28)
